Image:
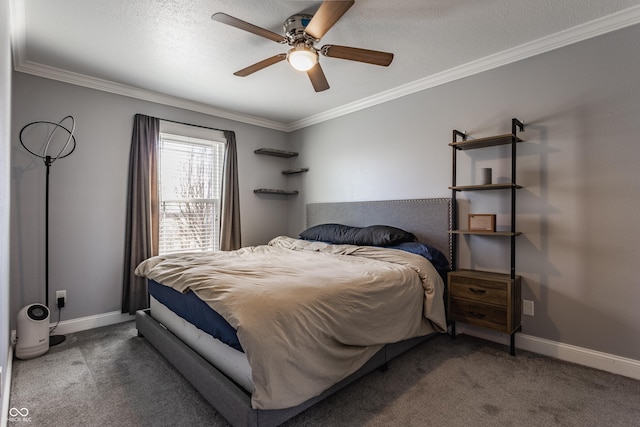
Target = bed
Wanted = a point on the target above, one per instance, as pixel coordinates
(240, 378)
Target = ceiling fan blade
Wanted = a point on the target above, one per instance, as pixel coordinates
(328, 14)
(318, 80)
(260, 65)
(238, 23)
(374, 57)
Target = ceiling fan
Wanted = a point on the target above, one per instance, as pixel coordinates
(302, 32)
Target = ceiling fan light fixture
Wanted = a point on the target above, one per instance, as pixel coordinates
(302, 57)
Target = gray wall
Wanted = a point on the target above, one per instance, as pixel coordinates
(577, 257)
(88, 193)
(5, 114)
(579, 164)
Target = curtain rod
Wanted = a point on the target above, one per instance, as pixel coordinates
(190, 124)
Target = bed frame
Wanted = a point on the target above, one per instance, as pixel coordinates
(429, 219)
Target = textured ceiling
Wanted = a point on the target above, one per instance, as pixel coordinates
(172, 50)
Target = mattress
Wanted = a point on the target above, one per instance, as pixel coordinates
(195, 311)
(228, 360)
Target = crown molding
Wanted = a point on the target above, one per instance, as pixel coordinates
(143, 94)
(622, 19)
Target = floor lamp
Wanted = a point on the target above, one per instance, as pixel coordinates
(48, 155)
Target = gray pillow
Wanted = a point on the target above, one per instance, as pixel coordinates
(373, 235)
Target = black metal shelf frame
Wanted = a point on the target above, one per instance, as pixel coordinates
(460, 142)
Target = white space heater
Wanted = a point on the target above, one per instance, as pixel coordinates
(32, 331)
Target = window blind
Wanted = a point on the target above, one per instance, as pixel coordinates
(190, 186)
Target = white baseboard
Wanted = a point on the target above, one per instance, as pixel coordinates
(91, 322)
(85, 323)
(569, 353)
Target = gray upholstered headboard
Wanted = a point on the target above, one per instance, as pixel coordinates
(429, 219)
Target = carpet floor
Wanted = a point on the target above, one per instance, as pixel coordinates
(111, 377)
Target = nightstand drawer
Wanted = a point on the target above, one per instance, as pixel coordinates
(489, 316)
(480, 290)
(482, 298)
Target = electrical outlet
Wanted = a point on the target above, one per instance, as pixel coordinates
(63, 295)
(527, 307)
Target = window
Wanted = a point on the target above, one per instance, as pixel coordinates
(190, 189)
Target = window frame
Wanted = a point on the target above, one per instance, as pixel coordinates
(191, 135)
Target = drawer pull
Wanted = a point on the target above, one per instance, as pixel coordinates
(478, 291)
(476, 314)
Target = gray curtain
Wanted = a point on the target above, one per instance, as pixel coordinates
(142, 232)
(230, 238)
(141, 241)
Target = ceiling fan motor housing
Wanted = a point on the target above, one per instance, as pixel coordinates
(294, 30)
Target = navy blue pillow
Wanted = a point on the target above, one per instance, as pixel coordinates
(374, 235)
(436, 257)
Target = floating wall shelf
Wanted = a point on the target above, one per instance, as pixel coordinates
(274, 191)
(284, 154)
(295, 171)
(276, 153)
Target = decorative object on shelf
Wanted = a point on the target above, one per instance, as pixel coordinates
(486, 176)
(51, 149)
(482, 222)
(483, 298)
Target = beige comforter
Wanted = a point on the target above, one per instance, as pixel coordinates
(309, 314)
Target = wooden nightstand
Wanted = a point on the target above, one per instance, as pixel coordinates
(490, 300)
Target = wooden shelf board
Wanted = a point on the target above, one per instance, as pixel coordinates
(295, 171)
(275, 152)
(479, 187)
(488, 141)
(486, 233)
(274, 191)
(481, 274)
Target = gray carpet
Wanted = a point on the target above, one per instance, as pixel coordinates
(111, 377)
